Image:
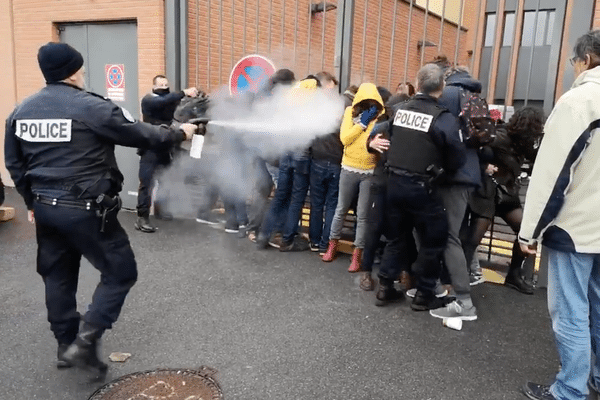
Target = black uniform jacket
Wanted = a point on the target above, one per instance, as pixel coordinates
(64, 138)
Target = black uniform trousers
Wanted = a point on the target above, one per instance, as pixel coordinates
(409, 203)
(64, 234)
(376, 223)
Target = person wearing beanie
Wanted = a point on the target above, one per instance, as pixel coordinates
(60, 152)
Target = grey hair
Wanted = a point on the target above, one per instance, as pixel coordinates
(588, 44)
(430, 79)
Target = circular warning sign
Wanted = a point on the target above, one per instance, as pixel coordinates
(115, 76)
(250, 74)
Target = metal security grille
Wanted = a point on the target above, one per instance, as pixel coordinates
(378, 41)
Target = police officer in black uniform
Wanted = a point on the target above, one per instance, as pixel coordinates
(424, 141)
(60, 151)
(158, 108)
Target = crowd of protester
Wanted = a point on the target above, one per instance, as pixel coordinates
(346, 170)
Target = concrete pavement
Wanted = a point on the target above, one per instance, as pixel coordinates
(275, 325)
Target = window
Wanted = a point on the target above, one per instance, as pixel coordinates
(551, 17)
(543, 29)
(509, 29)
(490, 29)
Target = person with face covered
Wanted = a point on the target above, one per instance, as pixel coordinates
(358, 165)
(158, 108)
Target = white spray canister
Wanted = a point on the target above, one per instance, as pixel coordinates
(197, 144)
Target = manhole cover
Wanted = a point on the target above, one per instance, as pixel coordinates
(163, 384)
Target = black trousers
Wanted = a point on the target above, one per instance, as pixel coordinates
(409, 204)
(64, 235)
(151, 164)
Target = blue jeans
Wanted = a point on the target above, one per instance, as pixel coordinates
(324, 187)
(301, 179)
(574, 306)
(281, 200)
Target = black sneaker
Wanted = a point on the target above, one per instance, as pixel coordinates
(297, 244)
(537, 392)
(314, 247)
(232, 228)
(262, 242)
(387, 294)
(421, 302)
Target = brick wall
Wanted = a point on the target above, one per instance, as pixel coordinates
(596, 22)
(218, 38)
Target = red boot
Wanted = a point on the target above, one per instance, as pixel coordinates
(331, 252)
(356, 259)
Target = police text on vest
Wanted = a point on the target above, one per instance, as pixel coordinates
(413, 120)
(44, 130)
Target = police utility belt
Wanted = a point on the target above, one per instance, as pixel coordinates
(103, 205)
(409, 174)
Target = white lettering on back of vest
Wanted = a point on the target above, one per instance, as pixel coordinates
(44, 130)
(413, 120)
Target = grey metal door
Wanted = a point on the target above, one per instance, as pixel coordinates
(104, 45)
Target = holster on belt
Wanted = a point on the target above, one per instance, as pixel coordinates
(107, 206)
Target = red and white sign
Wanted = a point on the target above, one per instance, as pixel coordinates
(250, 74)
(115, 81)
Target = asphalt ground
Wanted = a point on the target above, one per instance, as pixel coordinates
(275, 325)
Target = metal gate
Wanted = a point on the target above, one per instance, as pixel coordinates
(379, 41)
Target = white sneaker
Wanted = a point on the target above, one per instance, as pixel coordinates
(441, 292)
(476, 279)
(455, 310)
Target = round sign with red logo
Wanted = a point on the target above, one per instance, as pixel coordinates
(115, 75)
(250, 74)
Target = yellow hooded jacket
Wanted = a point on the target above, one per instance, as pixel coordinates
(354, 137)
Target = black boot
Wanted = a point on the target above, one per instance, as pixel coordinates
(62, 363)
(515, 281)
(387, 293)
(143, 224)
(83, 353)
(429, 301)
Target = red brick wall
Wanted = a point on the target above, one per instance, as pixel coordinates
(596, 22)
(214, 37)
(33, 26)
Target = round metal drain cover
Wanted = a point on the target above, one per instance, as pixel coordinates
(163, 384)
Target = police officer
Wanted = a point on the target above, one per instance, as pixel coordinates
(158, 108)
(424, 141)
(59, 149)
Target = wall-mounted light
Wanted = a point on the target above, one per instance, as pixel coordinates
(427, 43)
(322, 6)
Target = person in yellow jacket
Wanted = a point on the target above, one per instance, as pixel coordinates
(358, 165)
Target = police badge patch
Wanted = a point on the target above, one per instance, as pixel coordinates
(44, 130)
(127, 115)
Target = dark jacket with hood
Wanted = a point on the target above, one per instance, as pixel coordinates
(470, 173)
